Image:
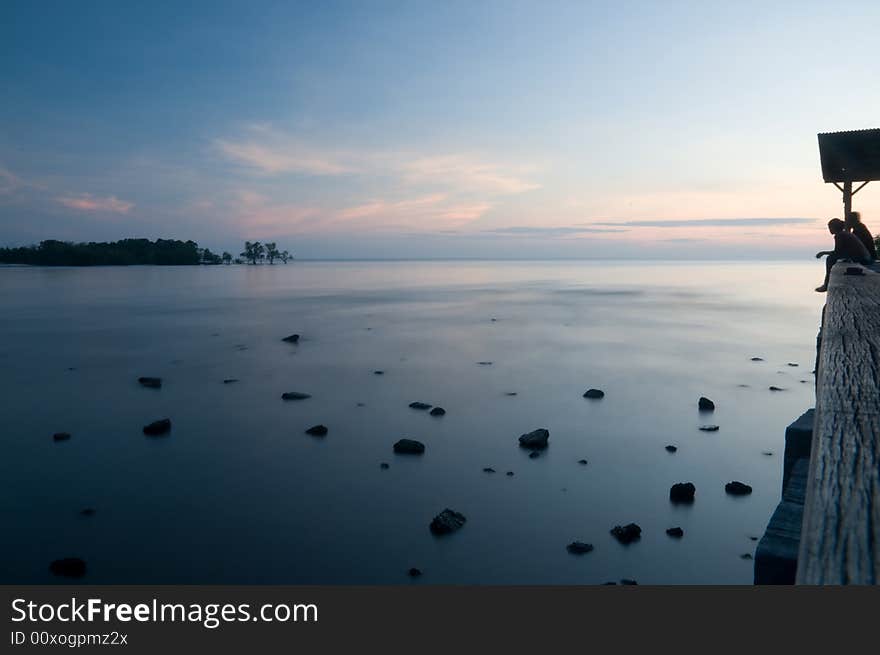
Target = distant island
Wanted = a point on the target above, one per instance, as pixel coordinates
(133, 252)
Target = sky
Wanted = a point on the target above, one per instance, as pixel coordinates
(434, 129)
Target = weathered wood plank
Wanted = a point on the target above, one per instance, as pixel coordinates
(840, 535)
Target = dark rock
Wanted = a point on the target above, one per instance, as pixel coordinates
(493, 320)
(69, 567)
(671, 449)
(682, 492)
(510, 393)
(736, 488)
(767, 453)
(746, 556)
(318, 431)
(418, 405)
(583, 462)
(409, 447)
(627, 534)
(609, 584)
(447, 521)
(705, 404)
(295, 395)
(757, 359)
(378, 372)
(792, 364)
(414, 572)
(776, 389)
(709, 428)
(61, 436)
(437, 411)
(230, 380)
(743, 386)
(88, 511)
(485, 363)
(509, 474)
(536, 439)
(152, 383)
(628, 581)
(534, 454)
(361, 405)
(579, 547)
(155, 428)
(488, 469)
(678, 533)
(293, 338)
(594, 394)
(384, 465)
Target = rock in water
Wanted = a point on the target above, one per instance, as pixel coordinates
(595, 394)
(88, 511)
(414, 572)
(409, 447)
(61, 436)
(579, 547)
(437, 411)
(534, 454)
(230, 380)
(447, 521)
(378, 372)
(485, 363)
(757, 359)
(628, 581)
(488, 469)
(709, 428)
(682, 492)
(705, 404)
(671, 449)
(536, 439)
(627, 534)
(293, 338)
(776, 389)
(318, 431)
(418, 405)
(69, 567)
(152, 383)
(583, 462)
(677, 533)
(384, 465)
(295, 395)
(736, 488)
(510, 393)
(156, 428)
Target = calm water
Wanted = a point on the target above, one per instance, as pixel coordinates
(238, 494)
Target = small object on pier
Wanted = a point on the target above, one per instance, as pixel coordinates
(709, 428)
(156, 428)
(854, 270)
(594, 394)
(152, 383)
(293, 338)
(705, 404)
(579, 547)
(627, 534)
(737, 488)
(295, 395)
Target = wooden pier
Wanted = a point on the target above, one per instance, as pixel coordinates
(837, 490)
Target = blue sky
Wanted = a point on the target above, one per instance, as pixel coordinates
(433, 129)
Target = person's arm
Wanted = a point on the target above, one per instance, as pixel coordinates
(821, 254)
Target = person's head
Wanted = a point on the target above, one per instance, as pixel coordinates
(835, 225)
(854, 218)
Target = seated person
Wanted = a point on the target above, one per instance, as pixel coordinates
(854, 224)
(846, 246)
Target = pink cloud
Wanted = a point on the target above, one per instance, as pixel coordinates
(88, 202)
(289, 159)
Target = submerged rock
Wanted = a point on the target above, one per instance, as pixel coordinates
(488, 469)
(318, 431)
(671, 449)
(677, 533)
(746, 556)
(230, 380)
(162, 426)
(628, 581)
(509, 474)
(414, 572)
(583, 462)
(682, 492)
(152, 383)
(295, 395)
(447, 521)
(88, 511)
(535, 454)
(61, 436)
(705, 404)
(485, 363)
(594, 394)
(628, 533)
(418, 405)
(409, 447)
(378, 372)
(579, 547)
(536, 439)
(384, 465)
(792, 364)
(437, 411)
(757, 359)
(737, 488)
(293, 338)
(776, 389)
(68, 567)
(510, 393)
(709, 428)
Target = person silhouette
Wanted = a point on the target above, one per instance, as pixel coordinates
(846, 246)
(855, 225)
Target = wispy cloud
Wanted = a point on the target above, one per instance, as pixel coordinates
(9, 182)
(562, 231)
(290, 158)
(88, 202)
(711, 222)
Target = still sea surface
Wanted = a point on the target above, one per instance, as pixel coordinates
(237, 493)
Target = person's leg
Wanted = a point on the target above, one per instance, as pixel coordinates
(830, 261)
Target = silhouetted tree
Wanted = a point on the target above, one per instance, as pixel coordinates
(226, 257)
(115, 253)
(285, 256)
(253, 252)
(272, 252)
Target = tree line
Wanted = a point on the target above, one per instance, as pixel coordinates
(130, 252)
